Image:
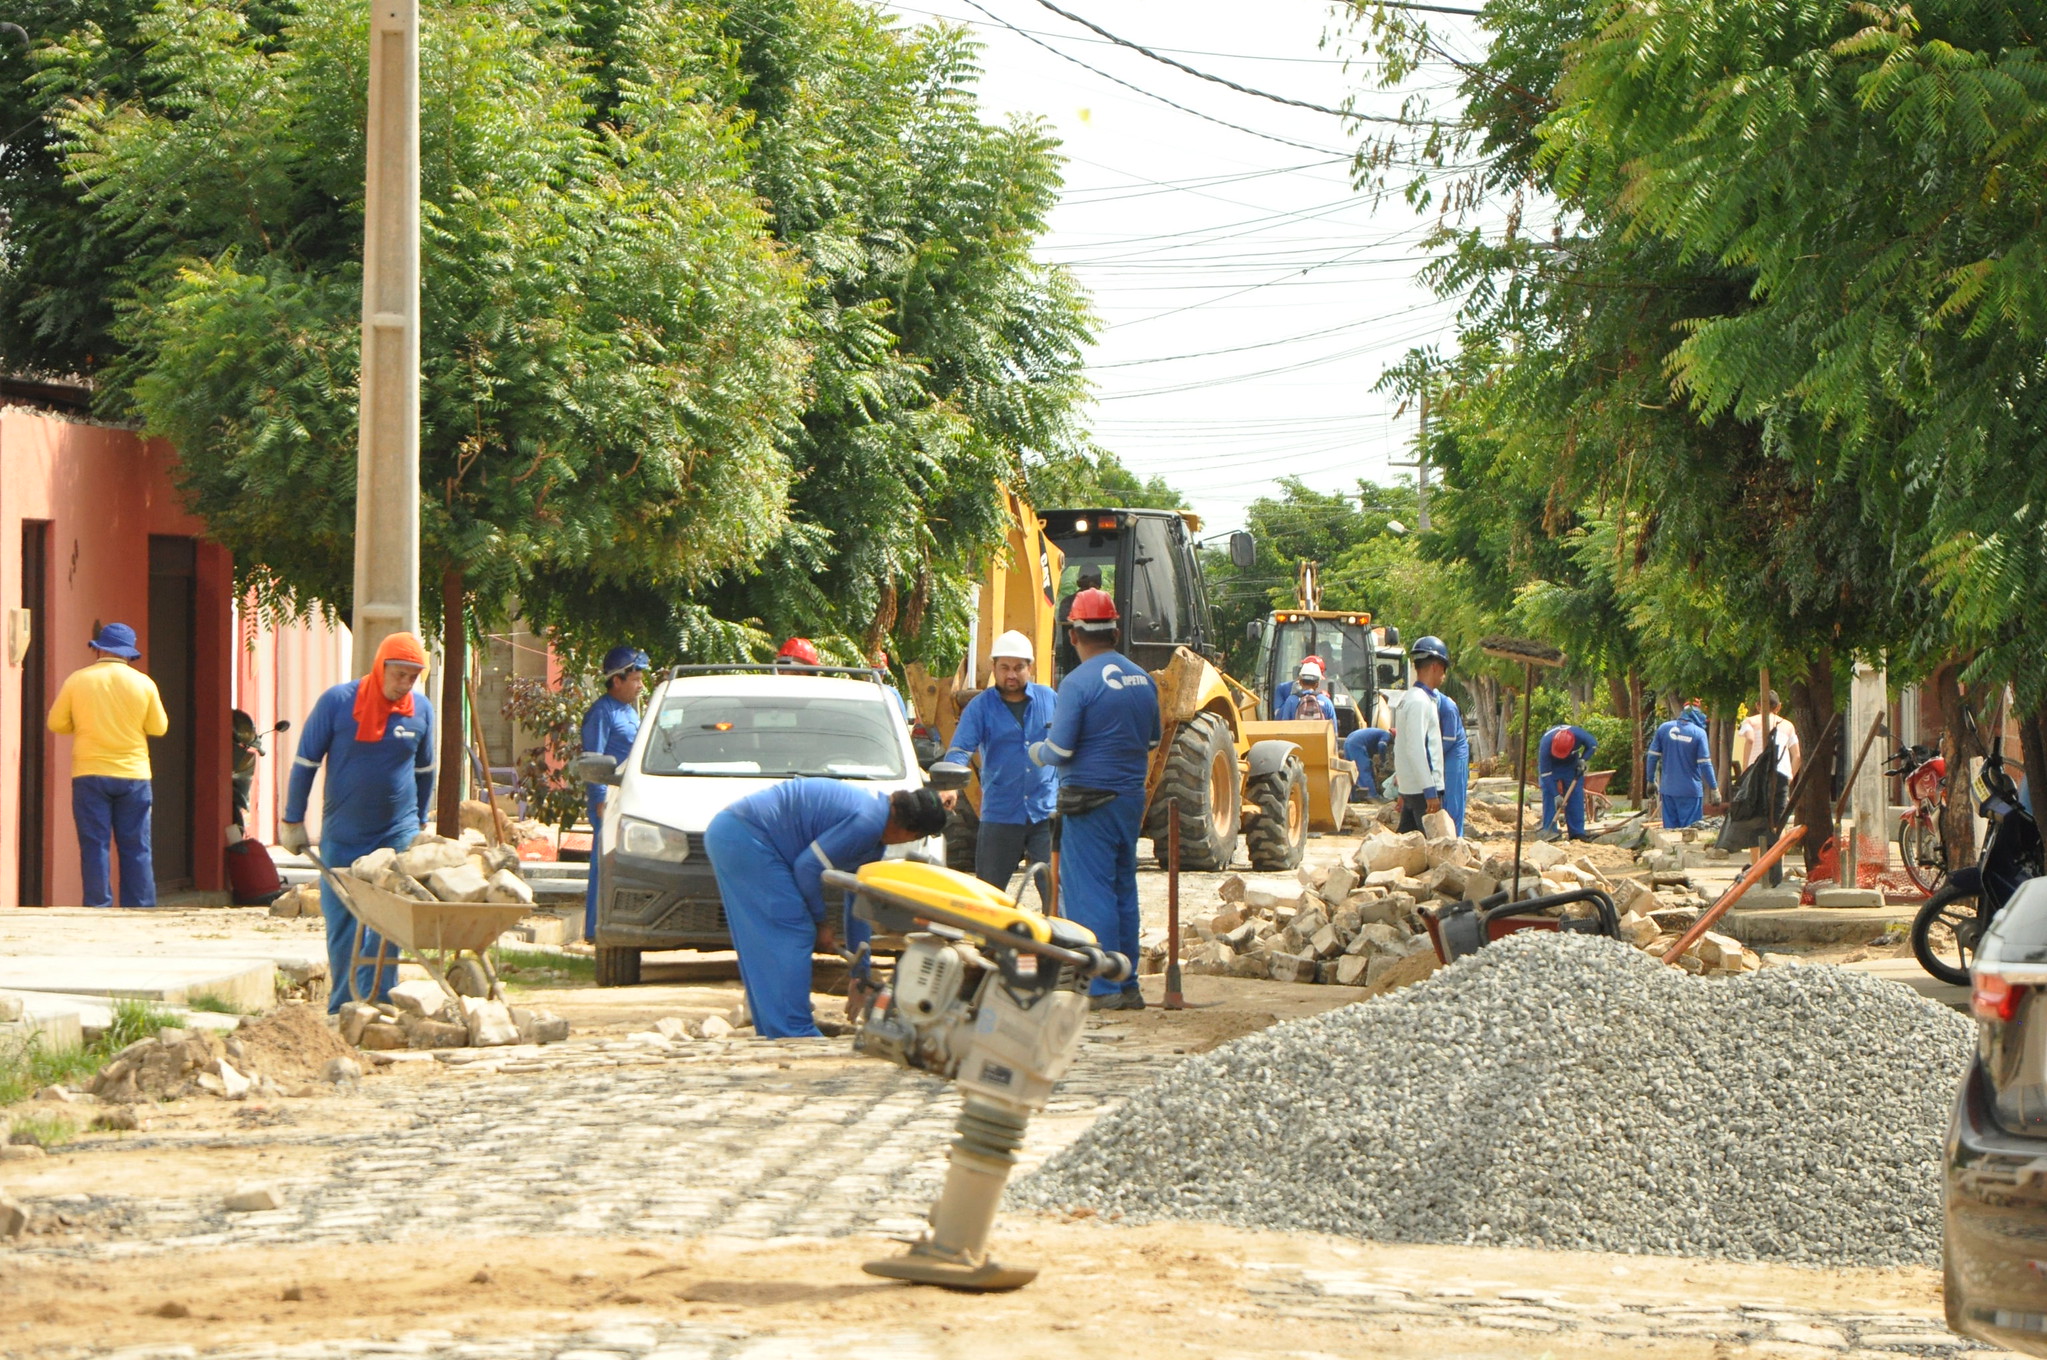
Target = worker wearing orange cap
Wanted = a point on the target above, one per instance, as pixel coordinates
(1561, 765)
(376, 736)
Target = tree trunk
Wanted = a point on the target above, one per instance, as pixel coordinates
(1720, 737)
(1485, 705)
(454, 685)
(1958, 823)
(1638, 752)
(1812, 709)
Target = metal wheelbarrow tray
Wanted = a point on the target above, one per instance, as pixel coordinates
(431, 934)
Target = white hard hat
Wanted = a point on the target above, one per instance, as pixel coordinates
(1309, 668)
(1012, 644)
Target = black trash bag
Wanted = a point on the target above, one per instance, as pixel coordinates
(1757, 808)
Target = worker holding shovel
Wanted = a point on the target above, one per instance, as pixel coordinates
(1561, 766)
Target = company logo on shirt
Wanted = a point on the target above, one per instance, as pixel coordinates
(1115, 677)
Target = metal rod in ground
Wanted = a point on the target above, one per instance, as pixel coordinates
(1521, 784)
(1711, 916)
(1174, 1001)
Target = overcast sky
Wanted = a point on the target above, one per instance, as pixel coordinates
(1248, 297)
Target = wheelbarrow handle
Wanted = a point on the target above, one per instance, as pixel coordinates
(333, 879)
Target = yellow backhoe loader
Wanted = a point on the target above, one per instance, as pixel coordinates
(1228, 773)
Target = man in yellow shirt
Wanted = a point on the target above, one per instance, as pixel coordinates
(110, 710)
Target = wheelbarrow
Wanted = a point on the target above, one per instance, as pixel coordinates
(433, 935)
(1466, 927)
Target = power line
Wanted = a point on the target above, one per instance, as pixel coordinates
(1165, 60)
(1148, 94)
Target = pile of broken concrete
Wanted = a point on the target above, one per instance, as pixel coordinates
(465, 868)
(422, 1014)
(1358, 923)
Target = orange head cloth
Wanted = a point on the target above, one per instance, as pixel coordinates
(372, 709)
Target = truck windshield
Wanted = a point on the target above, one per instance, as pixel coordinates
(775, 736)
(1346, 648)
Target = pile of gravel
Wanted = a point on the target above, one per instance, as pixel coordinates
(1561, 1092)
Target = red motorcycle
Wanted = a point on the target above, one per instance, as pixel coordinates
(1920, 841)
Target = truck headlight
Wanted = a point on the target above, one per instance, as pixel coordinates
(651, 840)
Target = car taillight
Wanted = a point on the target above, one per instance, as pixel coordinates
(1994, 998)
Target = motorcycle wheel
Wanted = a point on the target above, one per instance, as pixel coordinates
(1946, 932)
(1919, 845)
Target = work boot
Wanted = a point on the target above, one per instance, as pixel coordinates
(1133, 999)
(1108, 1001)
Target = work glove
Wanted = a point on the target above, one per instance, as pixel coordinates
(292, 836)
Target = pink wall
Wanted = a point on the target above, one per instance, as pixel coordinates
(279, 673)
(104, 491)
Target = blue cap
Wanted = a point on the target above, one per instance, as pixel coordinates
(116, 639)
(621, 659)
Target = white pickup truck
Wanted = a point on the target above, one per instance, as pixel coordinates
(712, 736)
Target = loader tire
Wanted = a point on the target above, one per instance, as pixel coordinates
(1278, 836)
(962, 833)
(618, 967)
(1201, 777)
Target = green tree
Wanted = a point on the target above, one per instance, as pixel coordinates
(608, 352)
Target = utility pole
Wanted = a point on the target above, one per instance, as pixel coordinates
(1421, 469)
(387, 444)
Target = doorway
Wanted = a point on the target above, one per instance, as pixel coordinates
(173, 612)
(34, 788)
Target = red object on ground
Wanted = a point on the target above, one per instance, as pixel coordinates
(251, 875)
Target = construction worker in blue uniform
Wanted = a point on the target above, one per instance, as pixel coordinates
(1561, 766)
(376, 736)
(1104, 728)
(609, 729)
(1308, 698)
(1359, 748)
(770, 850)
(1018, 795)
(1456, 745)
(1285, 692)
(1680, 769)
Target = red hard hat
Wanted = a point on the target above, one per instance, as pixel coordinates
(1092, 607)
(800, 650)
(1563, 743)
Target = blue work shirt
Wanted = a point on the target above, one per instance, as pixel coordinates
(1574, 763)
(1680, 759)
(815, 825)
(377, 791)
(1015, 790)
(1290, 706)
(1451, 719)
(609, 729)
(1104, 726)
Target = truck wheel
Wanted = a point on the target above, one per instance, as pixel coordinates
(1279, 835)
(618, 967)
(1201, 776)
(962, 831)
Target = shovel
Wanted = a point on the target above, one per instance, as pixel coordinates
(1563, 811)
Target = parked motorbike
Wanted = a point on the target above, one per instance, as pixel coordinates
(1950, 926)
(1921, 844)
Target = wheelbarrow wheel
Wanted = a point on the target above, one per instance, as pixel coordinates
(618, 967)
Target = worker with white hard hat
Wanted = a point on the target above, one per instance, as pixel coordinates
(1017, 794)
(1308, 698)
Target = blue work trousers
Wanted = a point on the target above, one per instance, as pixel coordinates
(1354, 752)
(342, 987)
(596, 805)
(1574, 807)
(1681, 810)
(108, 812)
(1098, 877)
(772, 928)
(1457, 784)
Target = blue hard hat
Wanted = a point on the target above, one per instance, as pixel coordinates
(621, 659)
(1430, 648)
